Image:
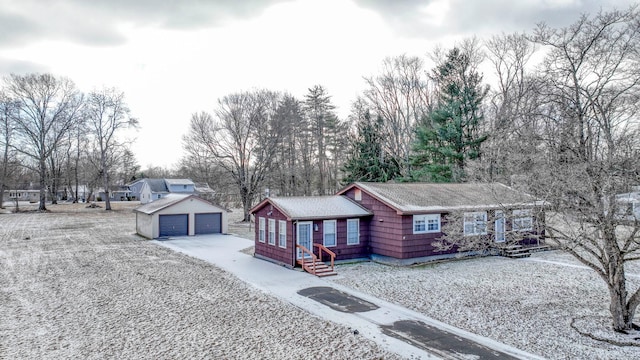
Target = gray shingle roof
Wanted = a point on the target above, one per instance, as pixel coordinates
(318, 207)
(157, 185)
(424, 197)
(179, 182)
(152, 207)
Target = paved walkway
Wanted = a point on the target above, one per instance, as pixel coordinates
(395, 328)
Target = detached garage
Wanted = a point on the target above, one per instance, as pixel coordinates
(180, 215)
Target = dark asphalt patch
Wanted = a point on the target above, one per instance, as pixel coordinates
(337, 300)
(440, 342)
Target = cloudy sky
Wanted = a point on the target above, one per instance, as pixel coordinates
(174, 58)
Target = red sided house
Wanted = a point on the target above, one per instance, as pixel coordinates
(396, 222)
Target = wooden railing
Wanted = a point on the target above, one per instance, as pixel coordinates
(311, 266)
(322, 248)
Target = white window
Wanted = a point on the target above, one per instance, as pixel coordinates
(357, 194)
(475, 223)
(272, 231)
(329, 229)
(353, 231)
(261, 229)
(426, 223)
(282, 234)
(522, 220)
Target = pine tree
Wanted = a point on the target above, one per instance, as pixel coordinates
(367, 160)
(450, 134)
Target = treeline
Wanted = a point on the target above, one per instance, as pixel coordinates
(559, 96)
(66, 140)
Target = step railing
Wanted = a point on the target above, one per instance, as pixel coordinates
(322, 248)
(310, 266)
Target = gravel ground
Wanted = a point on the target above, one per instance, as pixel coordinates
(528, 304)
(77, 283)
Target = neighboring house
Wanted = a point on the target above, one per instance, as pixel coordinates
(398, 222)
(117, 193)
(147, 190)
(21, 195)
(204, 191)
(180, 215)
(629, 205)
(181, 186)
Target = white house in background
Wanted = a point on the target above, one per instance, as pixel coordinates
(180, 215)
(147, 190)
(21, 195)
(629, 205)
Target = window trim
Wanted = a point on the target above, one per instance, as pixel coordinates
(335, 232)
(520, 216)
(282, 234)
(426, 218)
(357, 242)
(272, 232)
(481, 225)
(261, 229)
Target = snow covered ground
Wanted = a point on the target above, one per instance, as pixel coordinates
(525, 303)
(76, 283)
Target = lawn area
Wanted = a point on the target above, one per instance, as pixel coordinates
(526, 303)
(76, 283)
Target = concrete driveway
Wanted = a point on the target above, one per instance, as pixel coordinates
(395, 328)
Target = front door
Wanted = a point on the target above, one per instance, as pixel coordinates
(304, 238)
(499, 226)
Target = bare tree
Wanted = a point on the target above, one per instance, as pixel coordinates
(242, 138)
(107, 115)
(7, 113)
(400, 96)
(47, 108)
(591, 84)
(512, 110)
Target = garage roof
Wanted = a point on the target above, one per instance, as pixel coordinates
(165, 202)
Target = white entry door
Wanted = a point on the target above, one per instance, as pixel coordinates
(304, 237)
(499, 226)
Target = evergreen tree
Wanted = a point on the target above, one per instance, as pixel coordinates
(450, 135)
(367, 160)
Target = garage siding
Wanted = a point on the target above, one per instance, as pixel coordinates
(174, 225)
(210, 223)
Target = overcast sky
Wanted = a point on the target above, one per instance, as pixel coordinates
(175, 58)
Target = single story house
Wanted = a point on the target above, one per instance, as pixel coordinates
(395, 221)
(180, 215)
(21, 195)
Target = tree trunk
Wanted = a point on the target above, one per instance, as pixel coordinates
(107, 195)
(43, 186)
(245, 197)
(621, 314)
